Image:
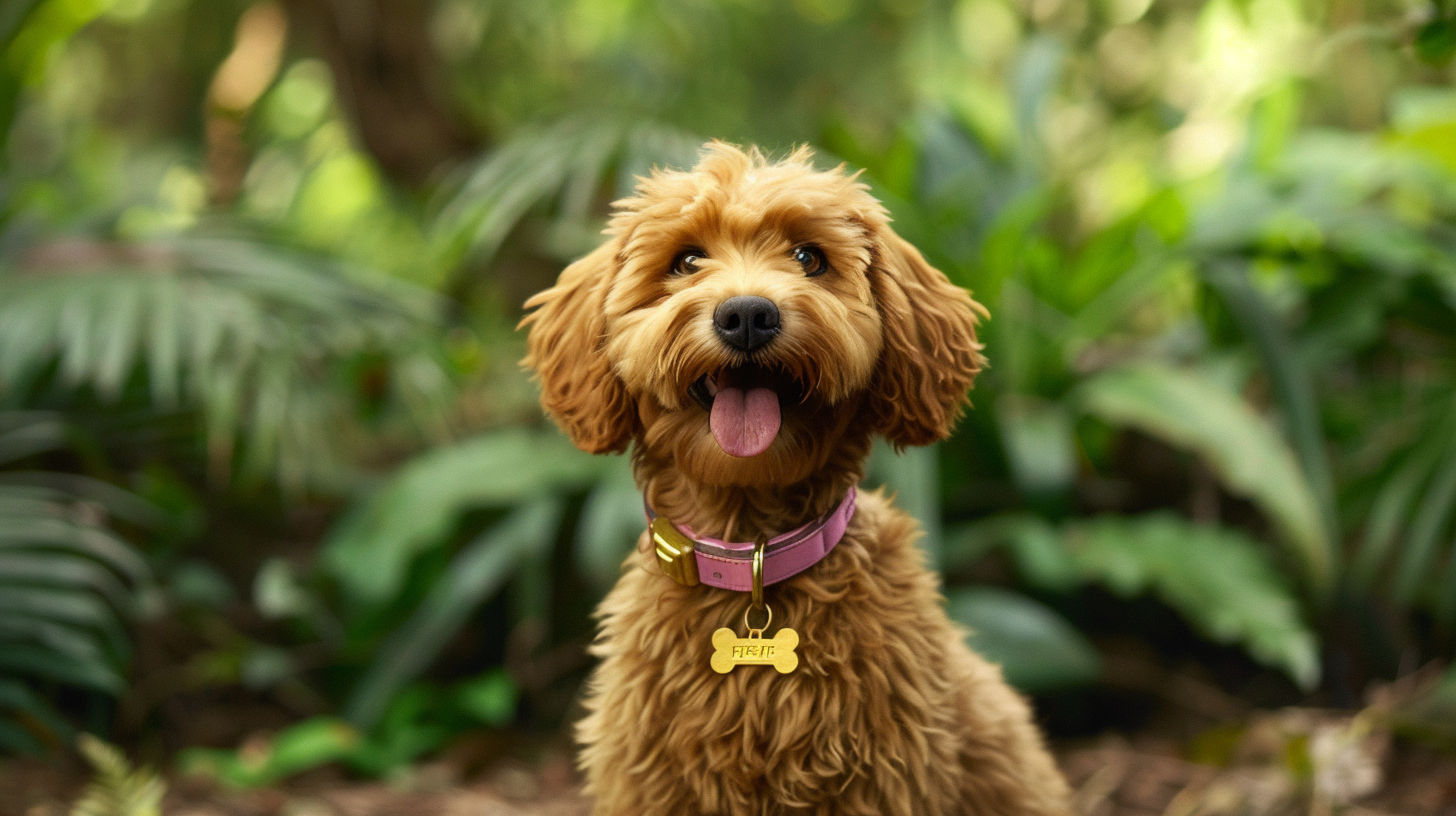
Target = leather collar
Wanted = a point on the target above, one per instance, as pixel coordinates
(690, 559)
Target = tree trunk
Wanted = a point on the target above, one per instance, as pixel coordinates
(390, 82)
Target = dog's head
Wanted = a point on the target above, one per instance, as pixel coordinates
(744, 316)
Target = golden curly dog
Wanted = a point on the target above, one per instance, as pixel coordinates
(888, 711)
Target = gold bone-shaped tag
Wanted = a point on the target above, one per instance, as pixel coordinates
(778, 651)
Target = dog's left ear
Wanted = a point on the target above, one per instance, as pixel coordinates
(930, 353)
(567, 330)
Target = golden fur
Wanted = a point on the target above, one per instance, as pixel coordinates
(889, 712)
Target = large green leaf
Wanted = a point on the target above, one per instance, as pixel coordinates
(371, 548)
(299, 747)
(1418, 551)
(1241, 447)
(1390, 512)
(474, 575)
(1291, 382)
(1037, 649)
(1221, 580)
(1039, 550)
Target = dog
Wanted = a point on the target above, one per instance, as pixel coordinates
(747, 328)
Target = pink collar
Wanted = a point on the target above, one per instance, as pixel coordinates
(691, 559)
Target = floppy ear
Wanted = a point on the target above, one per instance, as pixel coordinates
(930, 353)
(565, 347)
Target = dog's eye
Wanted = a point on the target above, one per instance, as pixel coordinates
(686, 262)
(812, 259)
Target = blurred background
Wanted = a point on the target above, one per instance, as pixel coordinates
(281, 523)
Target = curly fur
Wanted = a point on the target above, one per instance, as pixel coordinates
(889, 711)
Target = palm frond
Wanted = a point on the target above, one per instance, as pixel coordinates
(570, 163)
(67, 587)
(247, 336)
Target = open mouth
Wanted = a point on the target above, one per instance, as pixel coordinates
(744, 405)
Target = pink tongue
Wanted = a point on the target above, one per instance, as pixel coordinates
(745, 425)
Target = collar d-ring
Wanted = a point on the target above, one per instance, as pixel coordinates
(758, 574)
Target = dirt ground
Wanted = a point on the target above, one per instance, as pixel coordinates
(1257, 773)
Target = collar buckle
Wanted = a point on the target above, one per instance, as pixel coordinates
(676, 551)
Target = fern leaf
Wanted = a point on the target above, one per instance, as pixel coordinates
(240, 332)
(117, 789)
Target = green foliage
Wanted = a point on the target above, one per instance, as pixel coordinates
(117, 789)
(371, 547)
(911, 478)
(611, 516)
(250, 337)
(564, 164)
(68, 584)
(65, 590)
(420, 719)
(1294, 387)
(1222, 581)
(1248, 455)
(13, 17)
(472, 576)
(1408, 532)
(1436, 40)
(490, 698)
(1038, 650)
(304, 745)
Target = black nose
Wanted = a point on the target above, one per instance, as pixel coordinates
(746, 322)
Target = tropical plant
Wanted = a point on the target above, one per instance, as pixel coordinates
(1307, 279)
(117, 790)
(250, 359)
(69, 586)
(267, 348)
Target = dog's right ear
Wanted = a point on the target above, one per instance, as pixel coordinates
(565, 347)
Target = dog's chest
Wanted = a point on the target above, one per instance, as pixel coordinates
(867, 716)
(862, 694)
